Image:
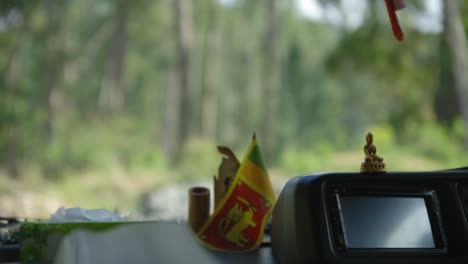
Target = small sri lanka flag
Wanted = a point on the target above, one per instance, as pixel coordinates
(238, 221)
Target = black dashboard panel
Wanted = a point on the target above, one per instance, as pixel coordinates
(370, 220)
(350, 217)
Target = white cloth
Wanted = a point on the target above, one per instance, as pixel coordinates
(143, 243)
(77, 214)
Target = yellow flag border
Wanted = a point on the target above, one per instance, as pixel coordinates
(254, 187)
(237, 178)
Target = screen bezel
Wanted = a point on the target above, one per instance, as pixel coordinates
(338, 227)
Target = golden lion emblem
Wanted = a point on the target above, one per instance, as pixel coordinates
(242, 219)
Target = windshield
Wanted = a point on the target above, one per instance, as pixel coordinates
(120, 104)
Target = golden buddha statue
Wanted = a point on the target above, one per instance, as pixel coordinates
(370, 150)
(372, 162)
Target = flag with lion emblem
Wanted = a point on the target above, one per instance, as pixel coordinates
(238, 221)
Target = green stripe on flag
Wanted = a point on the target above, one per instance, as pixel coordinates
(256, 157)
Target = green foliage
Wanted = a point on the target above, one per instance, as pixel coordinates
(200, 160)
(437, 142)
(385, 135)
(459, 130)
(103, 144)
(295, 161)
(321, 85)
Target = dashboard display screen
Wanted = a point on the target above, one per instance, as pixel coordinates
(386, 222)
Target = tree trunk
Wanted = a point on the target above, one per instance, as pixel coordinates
(169, 141)
(457, 42)
(208, 95)
(184, 38)
(12, 152)
(446, 105)
(113, 93)
(11, 74)
(183, 78)
(269, 79)
(53, 66)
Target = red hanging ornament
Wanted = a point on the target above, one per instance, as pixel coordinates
(392, 7)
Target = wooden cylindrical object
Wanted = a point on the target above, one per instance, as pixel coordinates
(199, 207)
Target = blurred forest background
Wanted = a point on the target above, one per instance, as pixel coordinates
(103, 101)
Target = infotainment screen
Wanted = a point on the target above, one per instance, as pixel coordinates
(386, 222)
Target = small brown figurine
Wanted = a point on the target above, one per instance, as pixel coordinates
(372, 162)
